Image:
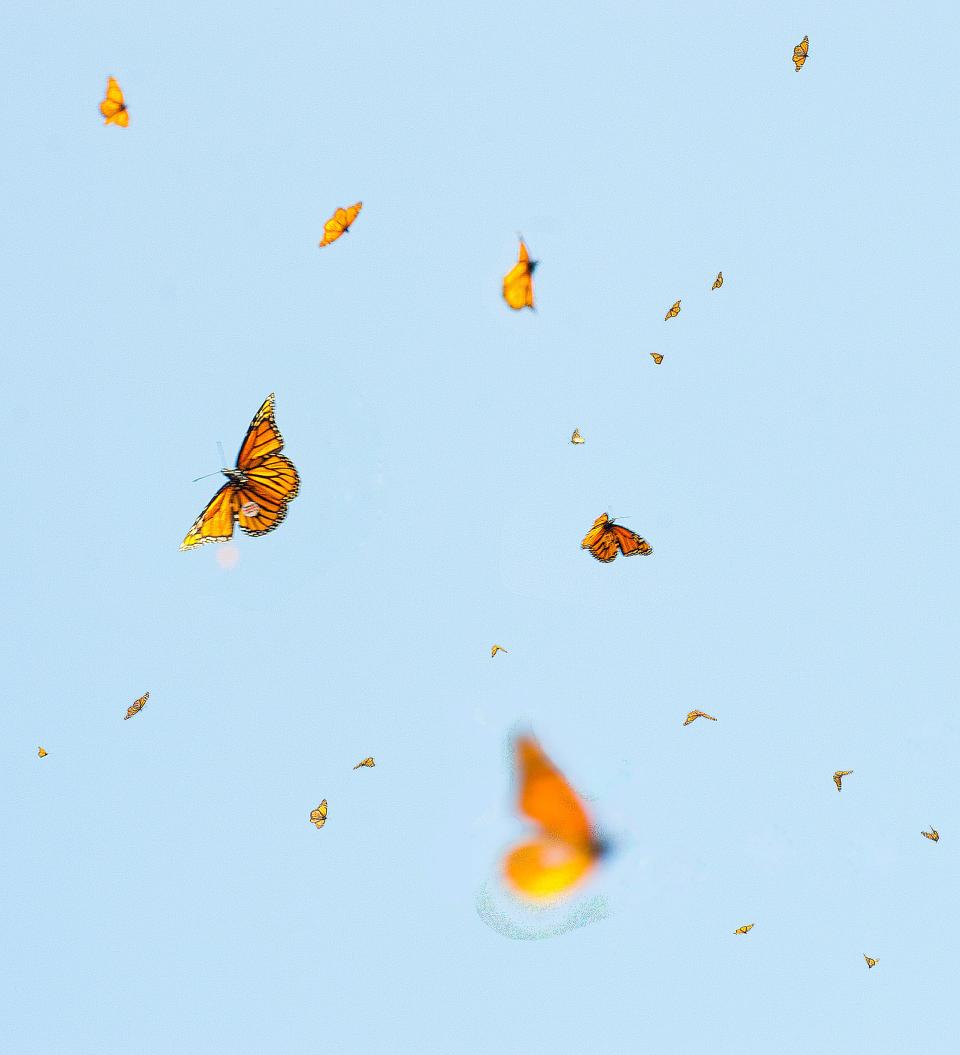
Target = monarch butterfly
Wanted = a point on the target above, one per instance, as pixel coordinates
(606, 537)
(368, 762)
(656, 357)
(839, 775)
(41, 753)
(933, 835)
(137, 706)
(719, 281)
(496, 649)
(694, 715)
(319, 815)
(566, 848)
(745, 928)
(871, 962)
(339, 223)
(264, 479)
(518, 281)
(113, 108)
(800, 53)
(576, 437)
(673, 312)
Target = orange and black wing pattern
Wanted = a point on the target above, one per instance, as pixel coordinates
(606, 538)
(256, 493)
(339, 223)
(113, 108)
(565, 849)
(800, 53)
(518, 281)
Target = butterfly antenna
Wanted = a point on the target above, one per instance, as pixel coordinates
(207, 477)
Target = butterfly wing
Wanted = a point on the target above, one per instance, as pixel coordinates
(215, 523)
(599, 540)
(546, 868)
(518, 282)
(270, 486)
(630, 542)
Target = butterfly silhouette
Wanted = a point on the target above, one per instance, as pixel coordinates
(800, 53)
(871, 962)
(518, 281)
(496, 649)
(656, 357)
(113, 108)
(368, 762)
(606, 537)
(257, 490)
(694, 715)
(839, 775)
(576, 437)
(41, 753)
(673, 312)
(137, 706)
(933, 835)
(719, 281)
(319, 815)
(339, 223)
(745, 928)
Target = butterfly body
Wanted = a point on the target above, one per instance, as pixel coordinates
(606, 538)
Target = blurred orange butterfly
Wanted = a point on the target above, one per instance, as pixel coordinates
(137, 706)
(518, 281)
(566, 848)
(497, 648)
(871, 962)
(673, 312)
(745, 929)
(718, 281)
(800, 53)
(339, 223)
(694, 715)
(656, 357)
(933, 834)
(113, 108)
(257, 490)
(43, 754)
(606, 537)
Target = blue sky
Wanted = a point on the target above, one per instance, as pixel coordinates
(789, 462)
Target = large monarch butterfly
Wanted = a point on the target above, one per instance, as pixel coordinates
(518, 281)
(113, 108)
(257, 490)
(800, 53)
(319, 815)
(871, 962)
(566, 849)
(368, 762)
(137, 706)
(339, 223)
(673, 312)
(933, 835)
(694, 715)
(606, 537)
(839, 775)
(745, 929)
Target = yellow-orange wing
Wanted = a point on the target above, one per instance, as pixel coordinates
(113, 108)
(518, 281)
(673, 312)
(605, 538)
(339, 223)
(137, 706)
(800, 53)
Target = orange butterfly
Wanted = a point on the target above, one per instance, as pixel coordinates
(673, 312)
(656, 357)
(137, 706)
(339, 223)
(518, 281)
(694, 715)
(257, 490)
(566, 849)
(800, 53)
(606, 537)
(113, 108)
(718, 281)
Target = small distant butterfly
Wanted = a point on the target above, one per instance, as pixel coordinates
(518, 281)
(137, 706)
(368, 762)
(800, 53)
(576, 437)
(496, 649)
(871, 962)
(113, 108)
(319, 815)
(606, 537)
(41, 753)
(839, 775)
(673, 312)
(745, 928)
(694, 715)
(658, 359)
(933, 835)
(719, 281)
(339, 223)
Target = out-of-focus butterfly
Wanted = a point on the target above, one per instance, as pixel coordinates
(746, 927)
(718, 282)
(673, 312)
(498, 648)
(871, 962)
(566, 848)
(113, 108)
(606, 537)
(41, 753)
(319, 815)
(518, 281)
(339, 223)
(839, 775)
(694, 715)
(368, 762)
(800, 53)
(656, 357)
(933, 835)
(137, 706)
(257, 490)
(576, 437)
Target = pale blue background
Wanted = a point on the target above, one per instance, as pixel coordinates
(793, 463)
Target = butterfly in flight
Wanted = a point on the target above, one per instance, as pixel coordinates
(694, 715)
(339, 223)
(673, 312)
(871, 962)
(576, 437)
(933, 835)
(41, 753)
(498, 648)
(656, 357)
(518, 281)
(606, 537)
(800, 53)
(137, 706)
(113, 108)
(319, 815)
(257, 490)
(745, 928)
(368, 762)
(718, 282)
(566, 849)
(839, 775)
